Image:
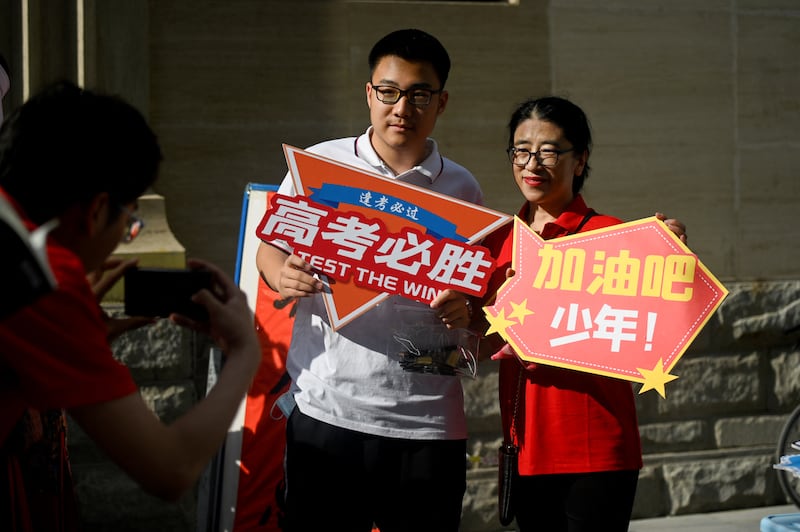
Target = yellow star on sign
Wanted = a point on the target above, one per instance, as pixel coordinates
(520, 311)
(655, 379)
(498, 324)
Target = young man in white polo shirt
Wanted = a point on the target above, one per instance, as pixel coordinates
(369, 442)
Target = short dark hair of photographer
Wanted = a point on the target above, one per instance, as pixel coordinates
(66, 144)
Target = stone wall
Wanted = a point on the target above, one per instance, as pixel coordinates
(708, 446)
(170, 365)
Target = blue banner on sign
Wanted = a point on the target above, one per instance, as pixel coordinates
(335, 195)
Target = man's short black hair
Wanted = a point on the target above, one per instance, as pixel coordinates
(412, 45)
(65, 145)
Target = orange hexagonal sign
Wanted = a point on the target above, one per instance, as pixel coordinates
(625, 301)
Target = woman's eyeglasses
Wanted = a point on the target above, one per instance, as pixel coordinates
(547, 157)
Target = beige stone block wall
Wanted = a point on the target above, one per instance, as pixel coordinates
(230, 86)
(694, 105)
(656, 81)
(768, 134)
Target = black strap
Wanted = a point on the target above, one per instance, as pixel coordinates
(583, 222)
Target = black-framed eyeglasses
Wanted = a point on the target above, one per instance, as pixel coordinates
(391, 95)
(133, 226)
(546, 156)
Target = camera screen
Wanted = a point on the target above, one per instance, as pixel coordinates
(159, 292)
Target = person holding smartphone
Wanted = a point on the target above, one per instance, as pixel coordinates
(83, 158)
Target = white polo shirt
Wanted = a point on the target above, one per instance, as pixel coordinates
(351, 378)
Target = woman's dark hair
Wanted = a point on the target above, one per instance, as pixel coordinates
(65, 145)
(413, 45)
(566, 115)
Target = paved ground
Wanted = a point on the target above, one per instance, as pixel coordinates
(748, 520)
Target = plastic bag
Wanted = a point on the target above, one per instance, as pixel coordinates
(425, 345)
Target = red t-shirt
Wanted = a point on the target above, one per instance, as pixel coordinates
(567, 421)
(54, 353)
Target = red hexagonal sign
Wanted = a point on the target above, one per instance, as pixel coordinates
(625, 301)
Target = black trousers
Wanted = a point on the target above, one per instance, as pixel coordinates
(584, 502)
(338, 479)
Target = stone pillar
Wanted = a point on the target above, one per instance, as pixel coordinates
(155, 246)
(116, 51)
(50, 34)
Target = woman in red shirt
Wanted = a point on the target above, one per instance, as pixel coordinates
(576, 434)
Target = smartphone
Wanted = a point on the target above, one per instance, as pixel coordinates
(159, 292)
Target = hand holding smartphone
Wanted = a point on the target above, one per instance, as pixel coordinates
(159, 292)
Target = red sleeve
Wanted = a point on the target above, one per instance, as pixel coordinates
(499, 243)
(600, 221)
(54, 353)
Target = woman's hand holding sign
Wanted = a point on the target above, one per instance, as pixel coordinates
(674, 225)
(507, 352)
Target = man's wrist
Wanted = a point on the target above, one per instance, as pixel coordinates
(266, 281)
